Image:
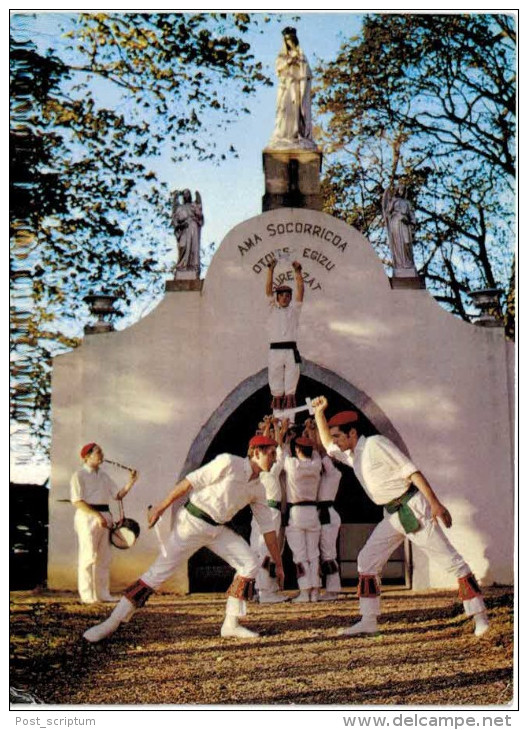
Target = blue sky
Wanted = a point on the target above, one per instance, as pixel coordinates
(232, 192)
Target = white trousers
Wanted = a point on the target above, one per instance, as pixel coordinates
(188, 535)
(264, 583)
(302, 534)
(328, 548)
(283, 372)
(389, 534)
(93, 573)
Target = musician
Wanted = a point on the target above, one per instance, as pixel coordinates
(215, 491)
(91, 490)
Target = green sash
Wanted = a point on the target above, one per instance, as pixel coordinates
(197, 512)
(408, 519)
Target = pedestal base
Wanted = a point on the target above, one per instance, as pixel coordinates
(185, 274)
(184, 285)
(292, 179)
(407, 282)
(98, 328)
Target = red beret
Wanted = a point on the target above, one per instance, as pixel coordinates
(283, 288)
(340, 419)
(304, 441)
(87, 448)
(262, 441)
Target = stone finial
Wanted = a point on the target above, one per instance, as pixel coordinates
(488, 301)
(101, 306)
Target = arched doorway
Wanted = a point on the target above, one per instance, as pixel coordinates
(230, 428)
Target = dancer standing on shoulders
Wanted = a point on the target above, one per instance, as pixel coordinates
(283, 323)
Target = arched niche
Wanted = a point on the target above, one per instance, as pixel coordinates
(228, 430)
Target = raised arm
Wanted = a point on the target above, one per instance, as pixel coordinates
(281, 430)
(269, 278)
(319, 405)
(299, 282)
(128, 486)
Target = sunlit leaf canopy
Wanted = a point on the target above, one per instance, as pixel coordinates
(429, 101)
(89, 115)
(426, 99)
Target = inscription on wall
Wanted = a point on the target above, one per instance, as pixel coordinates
(313, 259)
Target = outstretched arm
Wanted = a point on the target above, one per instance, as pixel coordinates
(179, 490)
(128, 486)
(299, 282)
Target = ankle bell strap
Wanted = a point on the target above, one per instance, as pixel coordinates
(368, 586)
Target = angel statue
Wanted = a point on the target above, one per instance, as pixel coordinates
(293, 121)
(187, 220)
(400, 221)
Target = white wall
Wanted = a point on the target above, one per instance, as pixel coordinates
(144, 393)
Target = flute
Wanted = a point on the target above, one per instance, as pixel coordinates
(116, 463)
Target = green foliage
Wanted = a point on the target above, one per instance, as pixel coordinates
(88, 214)
(428, 100)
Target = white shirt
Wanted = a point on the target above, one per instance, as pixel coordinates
(283, 322)
(222, 488)
(302, 478)
(380, 467)
(270, 479)
(93, 487)
(329, 483)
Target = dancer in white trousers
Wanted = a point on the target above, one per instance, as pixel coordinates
(303, 529)
(412, 509)
(330, 524)
(217, 491)
(266, 584)
(283, 323)
(90, 491)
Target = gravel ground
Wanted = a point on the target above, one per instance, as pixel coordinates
(171, 653)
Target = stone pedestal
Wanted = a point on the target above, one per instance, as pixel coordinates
(101, 306)
(184, 284)
(407, 282)
(488, 301)
(292, 179)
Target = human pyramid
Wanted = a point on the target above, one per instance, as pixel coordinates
(289, 479)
